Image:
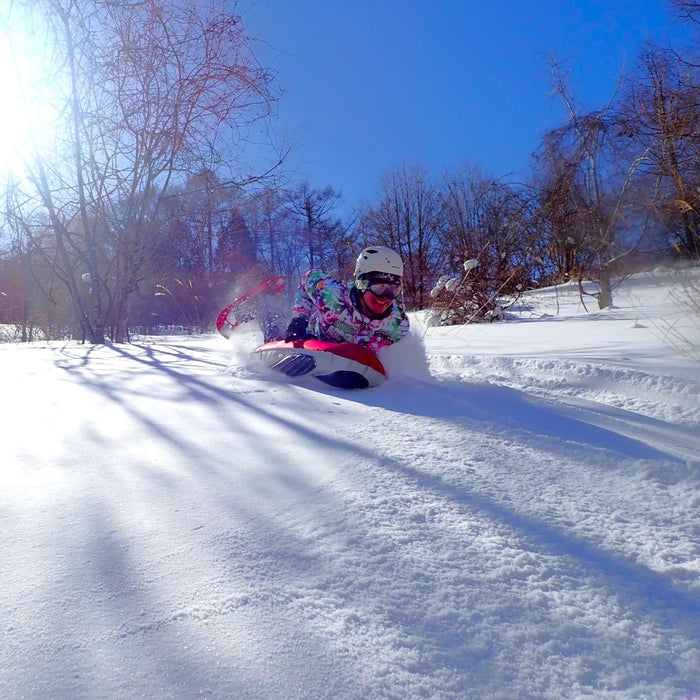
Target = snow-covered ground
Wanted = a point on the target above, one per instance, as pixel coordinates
(514, 514)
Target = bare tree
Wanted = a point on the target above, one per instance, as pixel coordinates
(145, 90)
(272, 224)
(318, 233)
(591, 183)
(484, 264)
(687, 9)
(560, 256)
(408, 218)
(661, 115)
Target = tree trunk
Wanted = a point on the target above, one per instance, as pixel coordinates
(605, 295)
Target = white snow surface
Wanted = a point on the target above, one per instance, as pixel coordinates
(515, 513)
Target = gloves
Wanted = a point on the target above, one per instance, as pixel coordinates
(296, 330)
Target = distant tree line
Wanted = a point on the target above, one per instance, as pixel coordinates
(144, 217)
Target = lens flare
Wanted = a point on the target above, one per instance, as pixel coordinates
(28, 117)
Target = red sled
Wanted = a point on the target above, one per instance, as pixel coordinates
(226, 321)
(342, 365)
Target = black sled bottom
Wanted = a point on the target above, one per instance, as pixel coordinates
(344, 379)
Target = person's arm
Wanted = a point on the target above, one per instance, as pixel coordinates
(304, 298)
(302, 308)
(395, 327)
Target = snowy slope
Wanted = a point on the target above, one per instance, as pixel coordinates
(514, 514)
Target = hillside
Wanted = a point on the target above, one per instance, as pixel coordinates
(513, 514)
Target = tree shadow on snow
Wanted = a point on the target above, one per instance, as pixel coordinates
(506, 409)
(593, 425)
(632, 580)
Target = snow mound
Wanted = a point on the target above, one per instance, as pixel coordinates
(406, 358)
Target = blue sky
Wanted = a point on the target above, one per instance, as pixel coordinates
(372, 84)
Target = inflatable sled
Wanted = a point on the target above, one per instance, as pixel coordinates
(343, 365)
(235, 313)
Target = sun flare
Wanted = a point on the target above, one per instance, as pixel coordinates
(26, 117)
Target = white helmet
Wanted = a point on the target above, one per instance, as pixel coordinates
(378, 258)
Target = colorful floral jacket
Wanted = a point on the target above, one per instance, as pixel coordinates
(333, 317)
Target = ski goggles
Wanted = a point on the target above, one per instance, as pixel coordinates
(385, 290)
